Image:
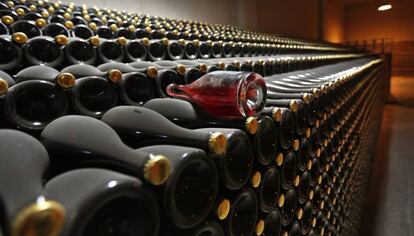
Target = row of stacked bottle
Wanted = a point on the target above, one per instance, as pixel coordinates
(100, 141)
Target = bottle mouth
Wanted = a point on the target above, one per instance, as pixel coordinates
(192, 191)
(251, 95)
(157, 169)
(44, 218)
(165, 79)
(123, 215)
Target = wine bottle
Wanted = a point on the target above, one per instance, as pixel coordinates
(128, 122)
(94, 91)
(44, 50)
(217, 49)
(29, 28)
(287, 168)
(245, 93)
(24, 209)
(36, 100)
(300, 112)
(125, 206)
(12, 54)
(304, 187)
(305, 220)
(236, 165)
(80, 51)
(175, 50)
(157, 49)
(303, 152)
(67, 140)
(105, 32)
(265, 140)
(188, 115)
(55, 29)
(269, 189)
(288, 210)
(284, 124)
(272, 223)
(111, 49)
(189, 192)
(82, 31)
(6, 81)
(211, 228)
(136, 50)
(205, 49)
(191, 49)
(243, 212)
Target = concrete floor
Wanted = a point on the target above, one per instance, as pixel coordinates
(389, 206)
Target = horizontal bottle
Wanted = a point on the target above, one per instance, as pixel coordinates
(304, 187)
(265, 140)
(175, 49)
(78, 51)
(12, 56)
(284, 124)
(139, 126)
(288, 208)
(272, 223)
(242, 213)
(157, 49)
(55, 29)
(136, 50)
(111, 50)
(236, 165)
(287, 168)
(269, 189)
(189, 193)
(211, 228)
(37, 99)
(125, 206)
(248, 102)
(191, 116)
(68, 141)
(94, 91)
(300, 112)
(29, 28)
(44, 50)
(82, 31)
(24, 208)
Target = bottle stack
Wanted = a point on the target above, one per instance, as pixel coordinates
(116, 123)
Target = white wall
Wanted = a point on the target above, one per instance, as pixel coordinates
(210, 11)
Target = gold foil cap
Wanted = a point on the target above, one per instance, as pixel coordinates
(19, 37)
(293, 105)
(164, 41)
(251, 125)
(4, 86)
(297, 181)
(45, 218)
(277, 114)
(69, 24)
(256, 179)
(61, 40)
(223, 209)
(122, 41)
(145, 41)
(7, 20)
(279, 159)
(152, 72)
(40, 22)
(299, 213)
(157, 169)
(306, 98)
(203, 67)
(94, 40)
(281, 200)
(114, 75)
(65, 80)
(180, 69)
(295, 144)
(259, 227)
(217, 143)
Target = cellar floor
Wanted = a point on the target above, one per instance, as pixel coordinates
(389, 203)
